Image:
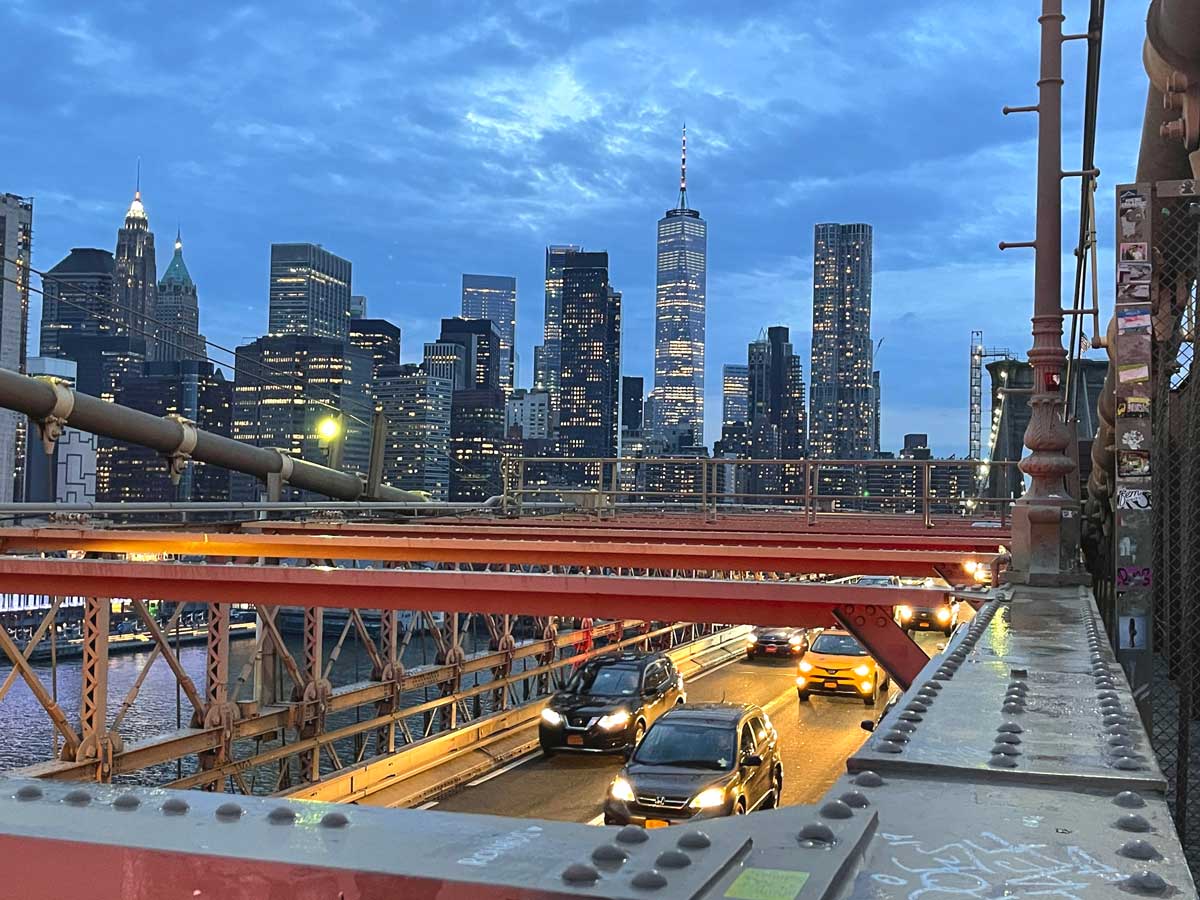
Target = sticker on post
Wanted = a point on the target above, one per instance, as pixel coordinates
(1133, 463)
(1133, 498)
(767, 884)
(1134, 319)
(1129, 272)
(1133, 406)
(1133, 373)
(1135, 253)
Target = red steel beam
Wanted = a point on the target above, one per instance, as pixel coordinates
(984, 542)
(815, 560)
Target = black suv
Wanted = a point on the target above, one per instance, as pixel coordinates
(699, 762)
(782, 642)
(609, 703)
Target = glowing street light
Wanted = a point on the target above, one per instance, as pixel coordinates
(329, 428)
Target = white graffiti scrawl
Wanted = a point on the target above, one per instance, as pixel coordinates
(989, 866)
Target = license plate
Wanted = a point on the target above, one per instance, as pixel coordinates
(770, 649)
(657, 823)
(574, 740)
(832, 685)
(923, 625)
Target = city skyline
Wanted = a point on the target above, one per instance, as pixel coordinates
(470, 123)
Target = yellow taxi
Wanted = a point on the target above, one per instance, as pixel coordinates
(836, 663)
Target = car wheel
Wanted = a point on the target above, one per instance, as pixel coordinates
(739, 808)
(547, 751)
(802, 695)
(776, 789)
(870, 701)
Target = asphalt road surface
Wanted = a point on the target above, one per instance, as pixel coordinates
(816, 738)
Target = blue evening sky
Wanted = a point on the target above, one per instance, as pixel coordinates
(424, 140)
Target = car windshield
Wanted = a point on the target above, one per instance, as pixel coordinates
(608, 681)
(875, 580)
(838, 645)
(688, 745)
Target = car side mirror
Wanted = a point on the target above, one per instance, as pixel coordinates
(867, 724)
(752, 760)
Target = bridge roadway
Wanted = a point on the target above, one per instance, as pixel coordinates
(816, 738)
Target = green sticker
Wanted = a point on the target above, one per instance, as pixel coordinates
(767, 884)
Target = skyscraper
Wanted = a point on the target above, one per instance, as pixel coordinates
(633, 396)
(416, 405)
(590, 357)
(16, 236)
(842, 396)
(476, 444)
(735, 394)
(447, 360)
(679, 313)
(528, 412)
(379, 339)
(178, 311)
(494, 297)
(310, 291)
(136, 279)
(78, 300)
(480, 340)
(547, 358)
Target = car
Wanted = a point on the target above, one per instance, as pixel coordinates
(609, 702)
(877, 581)
(787, 642)
(943, 617)
(837, 663)
(699, 761)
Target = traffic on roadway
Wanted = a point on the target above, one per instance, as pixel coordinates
(627, 741)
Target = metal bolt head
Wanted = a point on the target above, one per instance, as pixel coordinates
(1133, 822)
(1007, 737)
(888, 747)
(77, 798)
(174, 806)
(1012, 708)
(855, 799)
(609, 853)
(1129, 800)
(868, 779)
(650, 880)
(1146, 882)
(1000, 761)
(281, 815)
(1010, 728)
(1139, 849)
(229, 812)
(917, 706)
(694, 840)
(673, 859)
(816, 834)
(1005, 750)
(334, 820)
(29, 792)
(580, 873)
(126, 803)
(836, 809)
(1126, 764)
(632, 834)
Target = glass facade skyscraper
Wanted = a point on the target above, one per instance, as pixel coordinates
(417, 408)
(494, 297)
(548, 357)
(679, 316)
(735, 394)
(591, 357)
(842, 398)
(310, 292)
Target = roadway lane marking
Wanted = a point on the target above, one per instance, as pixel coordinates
(430, 805)
(498, 772)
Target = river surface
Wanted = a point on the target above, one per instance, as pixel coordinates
(26, 734)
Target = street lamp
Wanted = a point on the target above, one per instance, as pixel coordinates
(329, 428)
(330, 434)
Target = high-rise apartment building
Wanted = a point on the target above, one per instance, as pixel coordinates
(135, 292)
(416, 406)
(285, 385)
(178, 313)
(379, 339)
(735, 394)
(494, 297)
(16, 237)
(547, 358)
(679, 315)
(633, 399)
(310, 292)
(590, 357)
(842, 402)
(528, 414)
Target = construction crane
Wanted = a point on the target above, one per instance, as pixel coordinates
(978, 354)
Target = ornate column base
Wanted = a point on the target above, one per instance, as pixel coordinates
(1045, 542)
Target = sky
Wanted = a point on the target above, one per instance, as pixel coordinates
(423, 140)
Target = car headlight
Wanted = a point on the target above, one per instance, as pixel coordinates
(805, 666)
(752, 639)
(614, 720)
(905, 611)
(865, 687)
(550, 717)
(943, 614)
(862, 671)
(707, 799)
(801, 681)
(971, 566)
(621, 790)
(795, 640)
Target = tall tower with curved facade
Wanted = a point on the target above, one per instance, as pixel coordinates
(679, 316)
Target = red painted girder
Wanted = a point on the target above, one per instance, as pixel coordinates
(814, 560)
(802, 604)
(886, 641)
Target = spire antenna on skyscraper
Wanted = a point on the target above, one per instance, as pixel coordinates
(683, 171)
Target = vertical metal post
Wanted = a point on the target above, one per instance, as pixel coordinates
(926, 481)
(93, 706)
(1046, 519)
(312, 715)
(385, 737)
(216, 670)
(378, 450)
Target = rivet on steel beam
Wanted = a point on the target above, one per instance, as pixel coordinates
(1003, 762)
(334, 820)
(1012, 709)
(281, 815)
(868, 779)
(650, 880)
(1108, 695)
(816, 834)
(1120, 740)
(632, 834)
(932, 686)
(1133, 822)
(609, 853)
(673, 859)
(1126, 764)
(1146, 882)
(906, 727)
(1011, 728)
(999, 749)
(1139, 849)
(1117, 729)
(889, 747)
(855, 799)
(580, 873)
(896, 735)
(836, 809)
(29, 792)
(174, 806)
(1007, 737)
(917, 706)
(909, 716)
(694, 840)
(126, 803)
(77, 798)
(1129, 800)
(229, 812)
